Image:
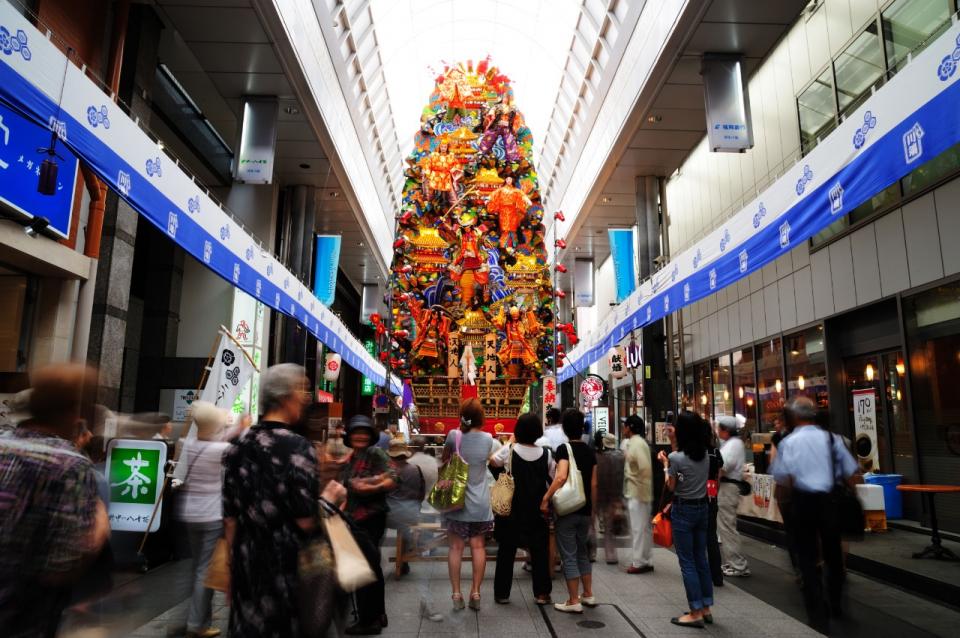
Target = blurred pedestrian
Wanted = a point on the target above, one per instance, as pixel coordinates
(731, 480)
(368, 478)
(472, 523)
(427, 462)
(532, 468)
(405, 499)
(573, 529)
(52, 521)
(270, 505)
(165, 433)
(199, 507)
(686, 472)
(809, 463)
(714, 557)
(638, 490)
(610, 508)
(553, 436)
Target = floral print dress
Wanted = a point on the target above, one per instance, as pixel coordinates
(270, 481)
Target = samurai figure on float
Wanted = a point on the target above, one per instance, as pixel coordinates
(433, 328)
(502, 127)
(469, 267)
(520, 330)
(511, 204)
(441, 171)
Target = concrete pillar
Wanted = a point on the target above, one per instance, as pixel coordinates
(108, 327)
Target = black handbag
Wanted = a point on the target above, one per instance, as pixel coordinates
(846, 507)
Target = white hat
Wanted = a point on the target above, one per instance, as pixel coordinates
(210, 420)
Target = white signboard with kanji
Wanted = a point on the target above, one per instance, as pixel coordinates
(135, 477)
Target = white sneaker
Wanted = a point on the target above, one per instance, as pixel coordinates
(589, 601)
(575, 608)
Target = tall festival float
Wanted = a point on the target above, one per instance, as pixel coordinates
(472, 297)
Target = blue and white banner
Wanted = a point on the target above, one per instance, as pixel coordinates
(624, 264)
(910, 120)
(33, 76)
(325, 274)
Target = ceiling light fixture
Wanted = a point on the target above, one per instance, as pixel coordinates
(291, 110)
(653, 119)
(360, 244)
(606, 200)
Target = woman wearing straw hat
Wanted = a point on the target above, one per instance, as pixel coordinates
(199, 507)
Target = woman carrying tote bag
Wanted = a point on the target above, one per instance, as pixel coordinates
(576, 462)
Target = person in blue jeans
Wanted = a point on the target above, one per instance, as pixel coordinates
(686, 472)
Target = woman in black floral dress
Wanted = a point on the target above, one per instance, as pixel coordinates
(270, 502)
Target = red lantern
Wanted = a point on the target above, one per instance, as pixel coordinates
(560, 268)
(561, 244)
(560, 294)
(559, 216)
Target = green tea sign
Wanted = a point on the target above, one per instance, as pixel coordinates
(367, 386)
(135, 476)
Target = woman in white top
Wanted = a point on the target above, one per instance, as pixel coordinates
(198, 507)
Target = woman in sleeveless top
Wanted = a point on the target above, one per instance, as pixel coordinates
(532, 468)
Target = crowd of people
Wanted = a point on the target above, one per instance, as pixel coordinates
(266, 493)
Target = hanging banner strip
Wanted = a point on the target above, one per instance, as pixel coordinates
(325, 272)
(34, 74)
(907, 122)
(624, 270)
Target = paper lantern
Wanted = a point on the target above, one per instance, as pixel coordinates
(331, 367)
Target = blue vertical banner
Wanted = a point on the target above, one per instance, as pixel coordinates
(327, 261)
(621, 249)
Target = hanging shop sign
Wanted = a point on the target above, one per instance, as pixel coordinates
(583, 283)
(182, 400)
(908, 121)
(551, 395)
(727, 103)
(592, 388)
(327, 263)
(601, 419)
(324, 397)
(258, 140)
(135, 476)
(367, 386)
(624, 262)
(865, 428)
(128, 161)
(20, 161)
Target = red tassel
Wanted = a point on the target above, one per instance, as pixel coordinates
(560, 268)
(560, 243)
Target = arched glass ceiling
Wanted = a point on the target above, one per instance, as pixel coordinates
(529, 40)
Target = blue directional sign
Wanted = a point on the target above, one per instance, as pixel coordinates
(20, 170)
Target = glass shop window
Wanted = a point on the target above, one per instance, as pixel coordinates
(859, 68)
(770, 387)
(807, 366)
(703, 391)
(722, 395)
(745, 387)
(909, 25)
(932, 321)
(817, 107)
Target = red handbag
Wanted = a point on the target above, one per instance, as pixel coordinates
(663, 528)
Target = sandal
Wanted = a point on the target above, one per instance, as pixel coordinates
(475, 601)
(457, 602)
(695, 623)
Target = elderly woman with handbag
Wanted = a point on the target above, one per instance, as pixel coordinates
(198, 507)
(519, 522)
(468, 516)
(572, 493)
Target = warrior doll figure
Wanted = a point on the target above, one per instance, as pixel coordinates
(454, 90)
(511, 204)
(519, 330)
(441, 172)
(433, 326)
(501, 127)
(469, 267)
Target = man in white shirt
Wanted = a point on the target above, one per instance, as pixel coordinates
(809, 463)
(732, 451)
(553, 436)
(638, 491)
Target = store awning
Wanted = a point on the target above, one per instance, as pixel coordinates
(907, 122)
(40, 83)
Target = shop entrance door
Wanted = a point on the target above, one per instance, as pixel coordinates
(877, 412)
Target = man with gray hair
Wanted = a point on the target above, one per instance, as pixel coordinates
(731, 479)
(809, 463)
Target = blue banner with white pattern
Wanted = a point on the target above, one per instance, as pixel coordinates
(907, 122)
(325, 273)
(39, 83)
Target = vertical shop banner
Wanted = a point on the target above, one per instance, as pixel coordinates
(551, 395)
(367, 386)
(328, 260)
(229, 372)
(490, 357)
(727, 103)
(20, 142)
(258, 141)
(624, 263)
(583, 283)
(601, 419)
(865, 429)
(135, 475)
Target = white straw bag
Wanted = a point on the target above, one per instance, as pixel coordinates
(570, 497)
(501, 495)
